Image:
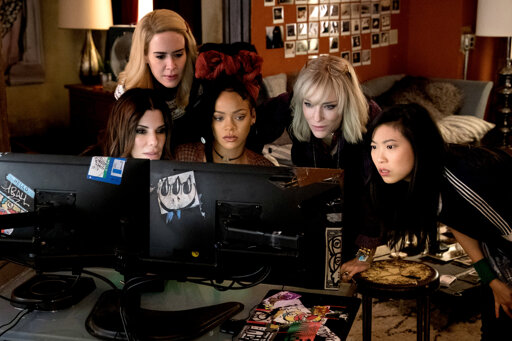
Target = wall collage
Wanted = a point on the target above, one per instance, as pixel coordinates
(301, 27)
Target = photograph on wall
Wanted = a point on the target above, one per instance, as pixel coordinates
(302, 30)
(356, 58)
(324, 1)
(313, 13)
(312, 1)
(324, 12)
(356, 26)
(313, 30)
(376, 24)
(334, 28)
(289, 49)
(274, 36)
(335, 1)
(313, 46)
(301, 47)
(385, 21)
(365, 9)
(334, 44)
(375, 40)
(345, 55)
(395, 6)
(345, 27)
(324, 32)
(375, 8)
(270, 2)
(345, 11)
(285, 2)
(334, 12)
(301, 2)
(302, 13)
(355, 10)
(366, 57)
(356, 42)
(278, 15)
(385, 6)
(365, 25)
(291, 31)
(384, 38)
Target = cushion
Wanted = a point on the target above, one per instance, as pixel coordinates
(463, 129)
(440, 99)
(275, 84)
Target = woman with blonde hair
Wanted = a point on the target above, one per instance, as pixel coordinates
(162, 57)
(330, 114)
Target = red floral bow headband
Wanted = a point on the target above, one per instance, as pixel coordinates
(246, 65)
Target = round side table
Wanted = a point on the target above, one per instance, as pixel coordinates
(398, 279)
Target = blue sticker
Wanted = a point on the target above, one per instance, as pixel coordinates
(16, 182)
(106, 169)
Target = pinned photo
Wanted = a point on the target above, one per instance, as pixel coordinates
(301, 47)
(291, 31)
(335, 12)
(395, 6)
(345, 55)
(366, 57)
(302, 32)
(274, 37)
(313, 30)
(289, 49)
(355, 10)
(356, 58)
(313, 13)
(278, 15)
(376, 24)
(324, 12)
(270, 2)
(384, 38)
(324, 32)
(345, 11)
(345, 27)
(302, 13)
(356, 26)
(334, 28)
(285, 2)
(375, 39)
(393, 37)
(356, 42)
(365, 25)
(313, 46)
(365, 9)
(334, 44)
(385, 6)
(385, 21)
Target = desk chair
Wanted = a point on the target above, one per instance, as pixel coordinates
(398, 279)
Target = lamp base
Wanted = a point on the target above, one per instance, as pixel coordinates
(91, 64)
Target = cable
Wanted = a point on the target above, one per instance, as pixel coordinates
(16, 320)
(103, 278)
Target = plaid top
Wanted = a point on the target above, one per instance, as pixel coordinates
(194, 152)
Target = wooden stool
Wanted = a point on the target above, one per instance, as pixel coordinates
(398, 279)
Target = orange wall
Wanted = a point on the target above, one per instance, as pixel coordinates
(428, 43)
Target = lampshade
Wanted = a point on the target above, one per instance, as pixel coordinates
(493, 18)
(85, 14)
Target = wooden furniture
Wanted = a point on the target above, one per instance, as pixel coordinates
(4, 124)
(89, 109)
(399, 279)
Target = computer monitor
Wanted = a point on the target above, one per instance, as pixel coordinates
(71, 211)
(222, 220)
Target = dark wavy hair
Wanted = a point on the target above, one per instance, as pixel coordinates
(119, 136)
(408, 210)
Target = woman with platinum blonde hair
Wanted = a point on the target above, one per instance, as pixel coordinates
(330, 114)
(162, 56)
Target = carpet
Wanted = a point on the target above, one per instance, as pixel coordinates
(395, 320)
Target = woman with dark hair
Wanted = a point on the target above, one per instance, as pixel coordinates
(231, 78)
(139, 126)
(417, 182)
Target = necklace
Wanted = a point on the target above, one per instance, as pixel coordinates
(228, 159)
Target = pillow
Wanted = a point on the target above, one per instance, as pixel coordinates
(275, 84)
(463, 129)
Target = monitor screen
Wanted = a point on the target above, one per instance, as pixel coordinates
(58, 212)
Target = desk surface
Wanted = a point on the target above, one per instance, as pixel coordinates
(69, 324)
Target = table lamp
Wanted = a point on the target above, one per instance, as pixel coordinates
(88, 15)
(493, 20)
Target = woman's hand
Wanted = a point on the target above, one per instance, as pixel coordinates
(502, 297)
(352, 267)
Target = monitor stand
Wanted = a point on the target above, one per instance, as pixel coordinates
(50, 292)
(104, 321)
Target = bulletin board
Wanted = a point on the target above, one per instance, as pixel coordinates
(297, 30)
